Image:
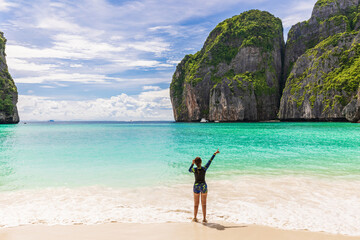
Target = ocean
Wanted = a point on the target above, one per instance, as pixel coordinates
(285, 175)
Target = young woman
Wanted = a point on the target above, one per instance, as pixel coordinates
(200, 186)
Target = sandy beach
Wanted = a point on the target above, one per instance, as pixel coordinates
(175, 231)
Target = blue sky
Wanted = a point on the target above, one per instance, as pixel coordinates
(111, 59)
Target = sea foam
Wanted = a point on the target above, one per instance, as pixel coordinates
(286, 202)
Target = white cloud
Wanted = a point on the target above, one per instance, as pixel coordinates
(68, 36)
(160, 28)
(67, 47)
(152, 105)
(110, 57)
(62, 79)
(154, 46)
(141, 63)
(47, 86)
(6, 5)
(55, 23)
(151, 88)
(23, 65)
(171, 30)
(173, 62)
(297, 12)
(65, 77)
(24, 52)
(76, 65)
(167, 12)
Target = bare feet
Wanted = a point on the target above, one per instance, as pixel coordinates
(194, 220)
(204, 221)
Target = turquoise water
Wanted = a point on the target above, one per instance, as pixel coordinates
(285, 175)
(38, 155)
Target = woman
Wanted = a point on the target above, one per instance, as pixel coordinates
(200, 186)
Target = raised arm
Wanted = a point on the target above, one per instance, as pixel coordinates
(191, 169)
(207, 165)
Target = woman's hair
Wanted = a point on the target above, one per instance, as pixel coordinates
(198, 162)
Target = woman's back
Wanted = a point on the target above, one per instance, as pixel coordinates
(199, 175)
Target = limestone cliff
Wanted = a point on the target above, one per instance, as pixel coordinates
(324, 80)
(243, 69)
(8, 91)
(352, 110)
(236, 75)
(322, 64)
(328, 18)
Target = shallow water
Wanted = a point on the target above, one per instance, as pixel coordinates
(288, 175)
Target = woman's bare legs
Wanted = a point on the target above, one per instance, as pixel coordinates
(196, 205)
(203, 205)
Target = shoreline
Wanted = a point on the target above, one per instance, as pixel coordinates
(161, 231)
(262, 201)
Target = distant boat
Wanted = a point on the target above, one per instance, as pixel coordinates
(216, 121)
(203, 120)
(51, 120)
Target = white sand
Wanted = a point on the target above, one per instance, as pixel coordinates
(162, 231)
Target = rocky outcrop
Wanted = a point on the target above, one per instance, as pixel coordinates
(236, 75)
(323, 81)
(321, 64)
(241, 71)
(352, 110)
(8, 91)
(328, 18)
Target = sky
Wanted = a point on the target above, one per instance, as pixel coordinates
(112, 60)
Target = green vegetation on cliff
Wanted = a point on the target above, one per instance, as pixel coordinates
(7, 106)
(322, 64)
(7, 85)
(253, 28)
(336, 83)
(242, 55)
(331, 17)
(2, 41)
(256, 81)
(348, 16)
(323, 3)
(237, 73)
(7, 89)
(177, 85)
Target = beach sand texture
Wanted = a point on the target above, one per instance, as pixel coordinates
(161, 231)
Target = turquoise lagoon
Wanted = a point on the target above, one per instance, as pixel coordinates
(286, 175)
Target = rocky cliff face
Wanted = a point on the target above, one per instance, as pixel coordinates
(236, 75)
(324, 81)
(329, 17)
(321, 65)
(352, 110)
(240, 73)
(8, 91)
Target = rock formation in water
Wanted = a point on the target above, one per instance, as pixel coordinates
(236, 75)
(324, 80)
(240, 73)
(322, 64)
(8, 91)
(352, 110)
